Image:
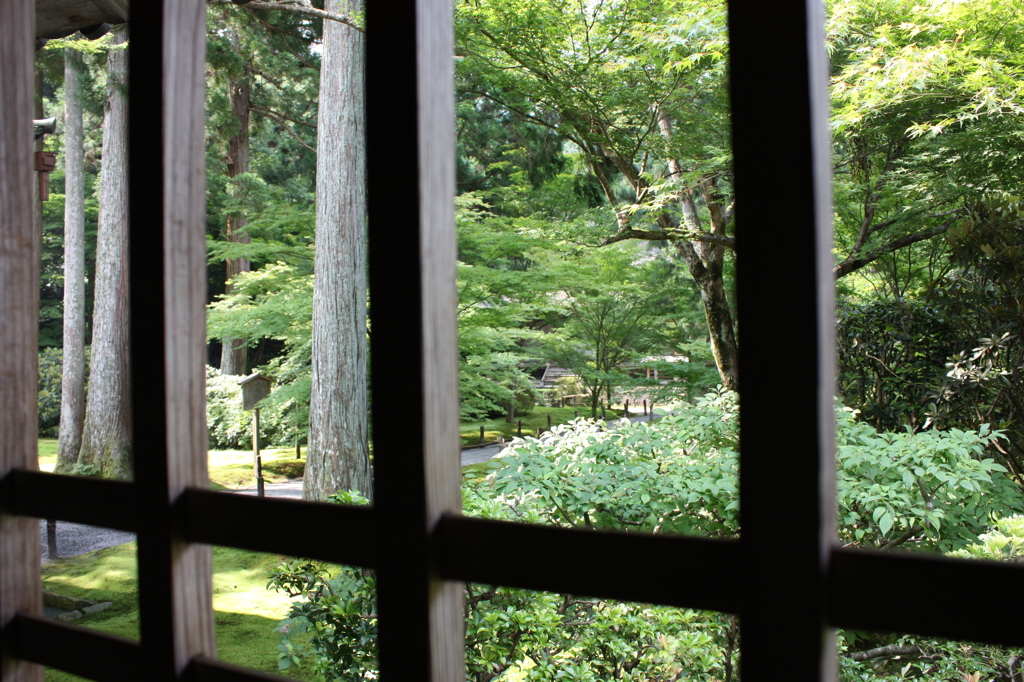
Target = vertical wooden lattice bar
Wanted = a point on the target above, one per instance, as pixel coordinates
(168, 290)
(410, 135)
(787, 480)
(19, 324)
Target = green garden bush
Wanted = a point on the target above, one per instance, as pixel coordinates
(927, 491)
(50, 381)
(50, 360)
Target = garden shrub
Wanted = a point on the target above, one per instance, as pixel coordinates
(50, 369)
(929, 490)
(228, 425)
(1003, 542)
(50, 385)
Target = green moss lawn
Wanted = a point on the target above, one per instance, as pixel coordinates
(246, 612)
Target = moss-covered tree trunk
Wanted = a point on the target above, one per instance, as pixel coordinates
(338, 456)
(72, 394)
(106, 442)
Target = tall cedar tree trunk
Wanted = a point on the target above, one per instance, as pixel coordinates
(338, 455)
(72, 394)
(232, 356)
(106, 439)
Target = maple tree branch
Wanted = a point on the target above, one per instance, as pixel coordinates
(674, 235)
(852, 263)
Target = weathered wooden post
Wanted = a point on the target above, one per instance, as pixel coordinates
(255, 388)
(645, 407)
(549, 422)
(51, 539)
(625, 407)
(519, 428)
(256, 459)
(575, 414)
(481, 435)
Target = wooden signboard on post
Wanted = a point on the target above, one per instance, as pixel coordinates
(255, 388)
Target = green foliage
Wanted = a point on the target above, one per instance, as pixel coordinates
(50, 381)
(50, 368)
(933, 659)
(570, 385)
(677, 474)
(501, 295)
(952, 358)
(336, 616)
(891, 356)
(75, 42)
(274, 302)
(962, 57)
(1003, 542)
(930, 489)
(333, 625)
(925, 116)
(610, 320)
(686, 375)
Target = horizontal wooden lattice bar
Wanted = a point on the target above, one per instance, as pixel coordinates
(929, 595)
(77, 650)
(328, 532)
(206, 670)
(673, 570)
(94, 501)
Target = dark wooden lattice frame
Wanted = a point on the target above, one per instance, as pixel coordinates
(786, 578)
